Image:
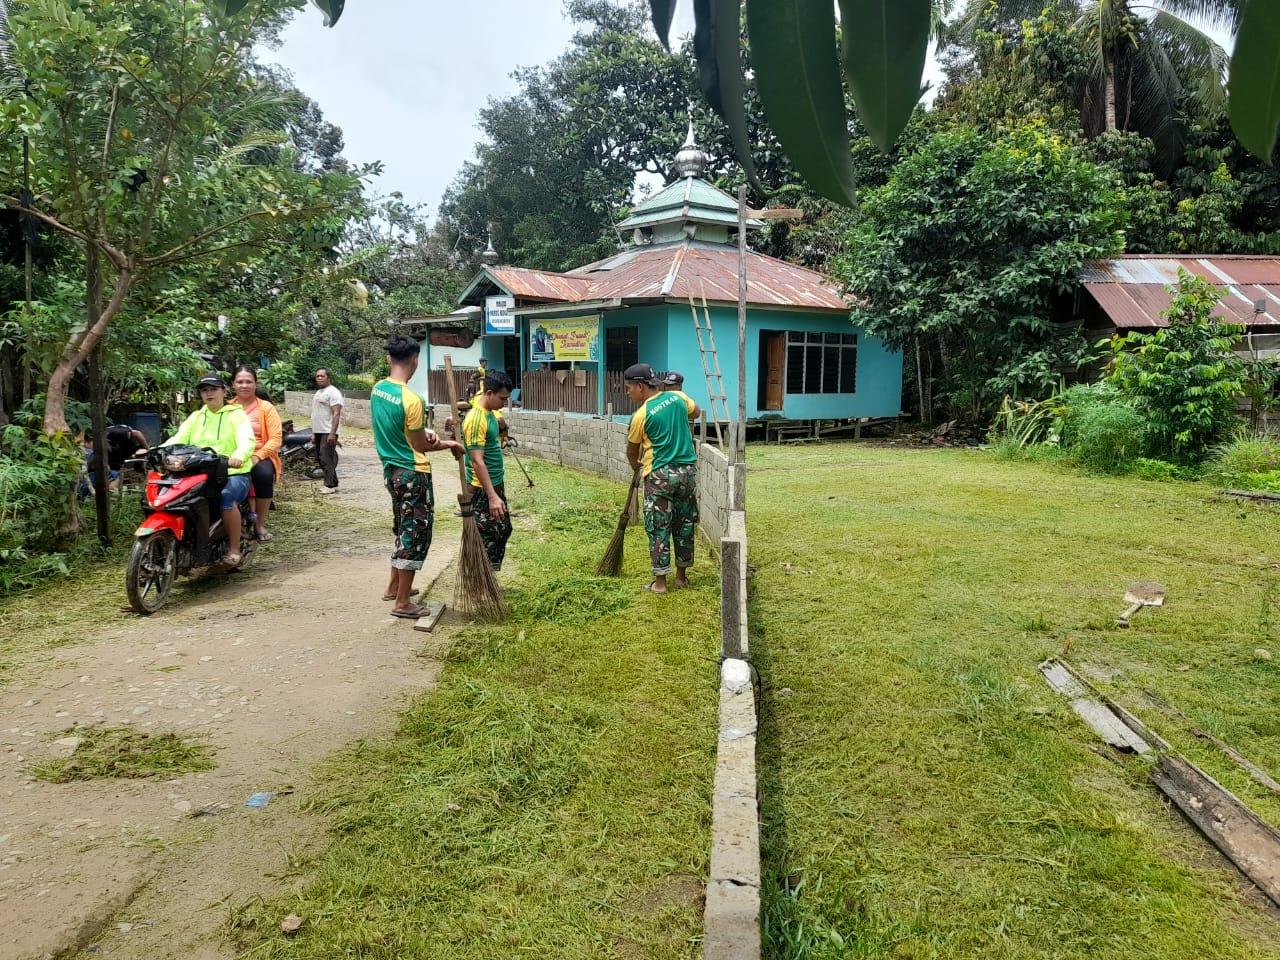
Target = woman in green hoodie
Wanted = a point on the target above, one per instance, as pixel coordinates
(226, 430)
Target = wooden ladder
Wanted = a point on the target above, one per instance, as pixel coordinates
(711, 368)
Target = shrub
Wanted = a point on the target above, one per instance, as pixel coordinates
(1184, 378)
(1145, 468)
(1247, 461)
(1076, 400)
(1107, 436)
(37, 476)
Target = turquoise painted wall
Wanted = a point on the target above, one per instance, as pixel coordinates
(652, 332)
(879, 370)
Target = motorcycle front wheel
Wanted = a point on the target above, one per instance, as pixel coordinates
(152, 566)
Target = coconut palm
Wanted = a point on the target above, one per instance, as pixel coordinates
(1146, 59)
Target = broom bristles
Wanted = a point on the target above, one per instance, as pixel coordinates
(611, 562)
(476, 589)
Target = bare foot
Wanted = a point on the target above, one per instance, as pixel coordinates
(654, 587)
(682, 581)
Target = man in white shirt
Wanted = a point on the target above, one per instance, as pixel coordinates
(326, 414)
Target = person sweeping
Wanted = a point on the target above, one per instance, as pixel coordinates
(660, 445)
(402, 441)
(482, 436)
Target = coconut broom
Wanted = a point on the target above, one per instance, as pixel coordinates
(611, 562)
(476, 589)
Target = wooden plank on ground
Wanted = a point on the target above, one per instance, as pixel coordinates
(1104, 722)
(1244, 838)
(427, 622)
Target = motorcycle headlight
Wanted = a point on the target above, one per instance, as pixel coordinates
(175, 462)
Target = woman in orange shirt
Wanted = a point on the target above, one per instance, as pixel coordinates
(268, 436)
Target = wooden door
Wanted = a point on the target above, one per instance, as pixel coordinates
(775, 354)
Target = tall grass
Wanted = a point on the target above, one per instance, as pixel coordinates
(924, 793)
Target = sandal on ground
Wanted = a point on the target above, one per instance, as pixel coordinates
(232, 560)
(265, 537)
(650, 585)
(391, 596)
(413, 614)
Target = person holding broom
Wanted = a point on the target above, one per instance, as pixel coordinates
(402, 442)
(660, 446)
(482, 435)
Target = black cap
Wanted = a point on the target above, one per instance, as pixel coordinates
(211, 380)
(640, 373)
(674, 379)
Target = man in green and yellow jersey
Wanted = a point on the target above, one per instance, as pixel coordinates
(482, 434)
(660, 445)
(403, 441)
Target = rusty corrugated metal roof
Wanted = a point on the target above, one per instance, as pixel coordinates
(1131, 289)
(698, 269)
(526, 284)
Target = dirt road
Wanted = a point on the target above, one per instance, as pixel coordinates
(278, 667)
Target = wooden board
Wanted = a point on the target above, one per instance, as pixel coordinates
(435, 610)
(1245, 839)
(1091, 711)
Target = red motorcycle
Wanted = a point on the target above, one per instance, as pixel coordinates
(183, 531)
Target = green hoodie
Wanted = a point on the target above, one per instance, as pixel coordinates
(226, 430)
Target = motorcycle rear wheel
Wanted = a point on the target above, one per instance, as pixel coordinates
(152, 566)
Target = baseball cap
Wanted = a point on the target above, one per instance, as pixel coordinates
(674, 379)
(640, 372)
(211, 380)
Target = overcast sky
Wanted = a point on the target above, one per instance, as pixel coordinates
(405, 79)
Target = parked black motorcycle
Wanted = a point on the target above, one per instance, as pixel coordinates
(182, 532)
(298, 452)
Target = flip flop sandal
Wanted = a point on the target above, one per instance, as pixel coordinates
(265, 537)
(391, 596)
(413, 614)
(232, 560)
(649, 586)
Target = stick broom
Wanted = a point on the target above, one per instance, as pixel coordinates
(476, 590)
(611, 562)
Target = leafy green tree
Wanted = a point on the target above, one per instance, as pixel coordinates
(144, 122)
(1185, 378)
(960, 257)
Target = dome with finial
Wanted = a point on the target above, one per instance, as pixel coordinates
(690, 161)
(490, 255)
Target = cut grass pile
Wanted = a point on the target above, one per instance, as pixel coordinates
(551, 797)
(117, 753)
(924, 793)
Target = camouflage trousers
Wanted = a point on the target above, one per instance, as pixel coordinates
(671, 514)
(494, 532)
(413, 505)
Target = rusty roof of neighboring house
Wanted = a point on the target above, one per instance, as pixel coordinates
(537, 285)
(1132, 289)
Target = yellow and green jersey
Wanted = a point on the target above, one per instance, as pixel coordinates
(661, 427)
(480, 431)
(397, 412)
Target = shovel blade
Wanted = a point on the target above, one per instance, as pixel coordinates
(1147, 593)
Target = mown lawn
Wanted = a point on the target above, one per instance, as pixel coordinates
(551, 797)
(924, 793)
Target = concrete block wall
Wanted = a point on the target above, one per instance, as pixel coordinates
(355, 413)
(731, 920)
(596, 445)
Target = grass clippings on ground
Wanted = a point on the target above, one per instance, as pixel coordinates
(119, 753)
(924, 793)
(551, 797)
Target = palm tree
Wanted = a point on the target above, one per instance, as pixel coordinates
(1145, 59)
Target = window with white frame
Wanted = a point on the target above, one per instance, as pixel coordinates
(821, 362)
